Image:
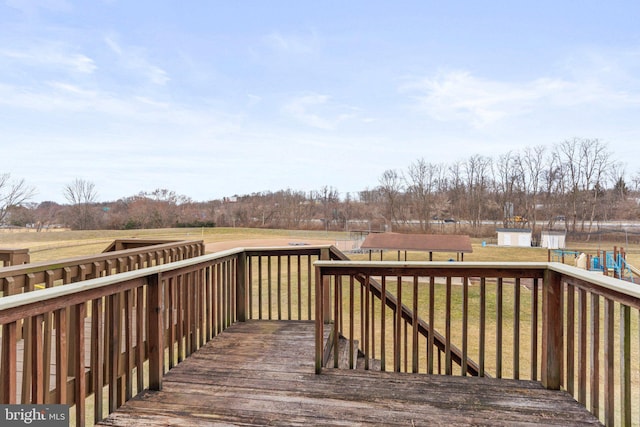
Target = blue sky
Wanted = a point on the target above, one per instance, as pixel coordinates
(215, 98)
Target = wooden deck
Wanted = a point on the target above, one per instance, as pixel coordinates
(262, 373)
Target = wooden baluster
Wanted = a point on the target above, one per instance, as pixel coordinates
(609, 359)
(625, 365)
(61, 355)
(28, 346)
(414, 335)
(37, 362)
(499, 299)
(431, 338)
(114, 329)
(299, 272)
(595, 355)
(351, 321)
(367, 322)
(289, 287)
(188, 313)
(128, 355)
(269, 304)
(465, 325)
(179, 317)
(397, 342)
(97, 356)
(534, 331)
(48, 336)
(516, 330)
(250, 287)
(140, 327)
(156, 332)
(582, 346)
(447, 346)
(259, 287)
(383, 324)
(336, 331)
(9, 356)
(172, 310)
(80, 383)
(571, 350)
(309, 293)
(483, 325)
(279, 286)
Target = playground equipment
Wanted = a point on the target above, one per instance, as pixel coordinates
(608, 262)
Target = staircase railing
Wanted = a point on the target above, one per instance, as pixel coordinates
(518, 320)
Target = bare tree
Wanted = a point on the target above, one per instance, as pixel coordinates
(82, 196)
(391, 188)
(422, 180)
(12, 193)
(477, 170)
(531, 166)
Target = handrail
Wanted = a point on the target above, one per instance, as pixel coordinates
(563, 313)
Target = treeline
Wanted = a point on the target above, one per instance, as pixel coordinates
(575, 184)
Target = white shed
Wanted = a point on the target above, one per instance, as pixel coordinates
(514, 237)
(553, 239)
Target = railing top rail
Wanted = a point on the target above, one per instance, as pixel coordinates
(67, 262)
(462, 265)
(596, 282)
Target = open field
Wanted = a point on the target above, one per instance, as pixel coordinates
(50, 245)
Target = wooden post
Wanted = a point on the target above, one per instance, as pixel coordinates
(326, 290)
(319, 320)
(552, 326)
(156, 332)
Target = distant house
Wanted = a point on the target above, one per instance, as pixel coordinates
(553, 239)
(514, 237)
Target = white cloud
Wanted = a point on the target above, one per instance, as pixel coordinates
(134, 58)
(318, 111)
(461, 96)
(49, 55)
(296, 44)
(30, 7)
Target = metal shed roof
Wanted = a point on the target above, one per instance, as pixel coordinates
(418, 242)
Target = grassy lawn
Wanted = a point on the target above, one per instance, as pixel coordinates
(51, 245)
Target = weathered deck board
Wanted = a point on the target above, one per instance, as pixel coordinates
(262, 373)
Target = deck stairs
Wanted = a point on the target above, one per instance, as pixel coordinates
(344, 354)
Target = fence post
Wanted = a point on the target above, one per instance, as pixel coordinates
(156, 332)
(552, 330)
(241, 287)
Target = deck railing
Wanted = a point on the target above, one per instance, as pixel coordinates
(514, 320)
(132, 327)
(21, 278)
(518, 320)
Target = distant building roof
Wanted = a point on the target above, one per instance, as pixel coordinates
(418, 242)
(554, 232)
(513, 230)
